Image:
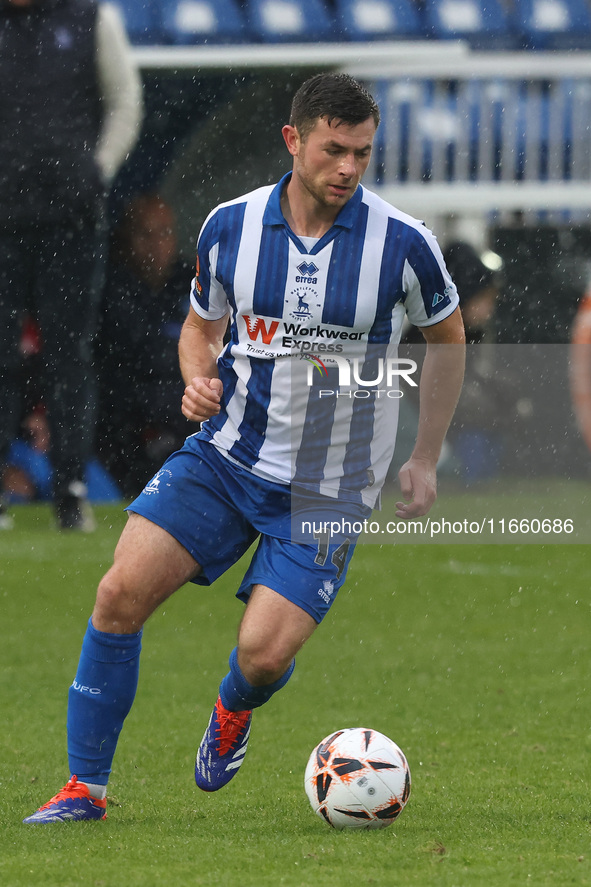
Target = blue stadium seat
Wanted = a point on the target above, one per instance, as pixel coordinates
(142, 20)
(484, 23)
(203, 21)
(553, 24)
(377, 19)
(292, 21)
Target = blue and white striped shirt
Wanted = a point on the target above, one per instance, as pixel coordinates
(343, 296)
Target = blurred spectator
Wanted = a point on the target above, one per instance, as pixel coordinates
(493, 411)
(476, 277)
(69, 114)
(479, 432)
(28, 475)
(544, 277)
(489, 406)
(145, 302)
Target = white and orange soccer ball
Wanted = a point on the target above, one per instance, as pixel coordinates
(357, 778)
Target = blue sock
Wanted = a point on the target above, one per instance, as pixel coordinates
(99, 700)
(238, 695)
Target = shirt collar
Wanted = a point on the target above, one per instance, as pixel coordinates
(274, 216)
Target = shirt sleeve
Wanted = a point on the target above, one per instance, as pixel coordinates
(121, 91)
(208, 297)
(431, 294)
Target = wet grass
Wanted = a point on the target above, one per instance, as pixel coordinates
(473, 658)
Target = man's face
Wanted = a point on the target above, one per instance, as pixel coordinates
(332, 158)
(153, 242)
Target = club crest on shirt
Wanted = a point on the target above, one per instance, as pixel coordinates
(305, 299)
(154, 485)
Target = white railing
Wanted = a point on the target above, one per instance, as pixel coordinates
(463, 132)
(370, 57)
(492, 134)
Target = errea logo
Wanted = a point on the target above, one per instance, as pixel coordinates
(307, 271)
(327, 591)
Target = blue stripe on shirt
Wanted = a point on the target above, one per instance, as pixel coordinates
(429, 275)
(230, 222)
(357, 461)
(316, 432)
(269, 288)
(398, 236)
(228, 378)
(342, 282)
(253, 426)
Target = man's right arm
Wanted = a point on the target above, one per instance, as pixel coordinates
(199, 346)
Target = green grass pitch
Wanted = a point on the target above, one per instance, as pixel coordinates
(473, 658)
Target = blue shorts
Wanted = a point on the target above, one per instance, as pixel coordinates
(217, 509)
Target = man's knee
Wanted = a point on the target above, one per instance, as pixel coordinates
(150, 565)
(272, 631)
(118, 607)
(263, 665)
(239, 693)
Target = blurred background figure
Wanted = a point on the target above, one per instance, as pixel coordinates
(477, 278)
(70, 112)
(28, 476)
(146, 299)
(487, 408)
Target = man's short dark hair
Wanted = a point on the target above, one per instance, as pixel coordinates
(333, 97)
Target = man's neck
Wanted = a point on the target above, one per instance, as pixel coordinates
(302, 213)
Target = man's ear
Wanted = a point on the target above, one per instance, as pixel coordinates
(292, 139)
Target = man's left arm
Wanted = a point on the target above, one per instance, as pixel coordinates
(440, 386)
(121, 92)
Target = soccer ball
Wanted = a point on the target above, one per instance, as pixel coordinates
(357, 778)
